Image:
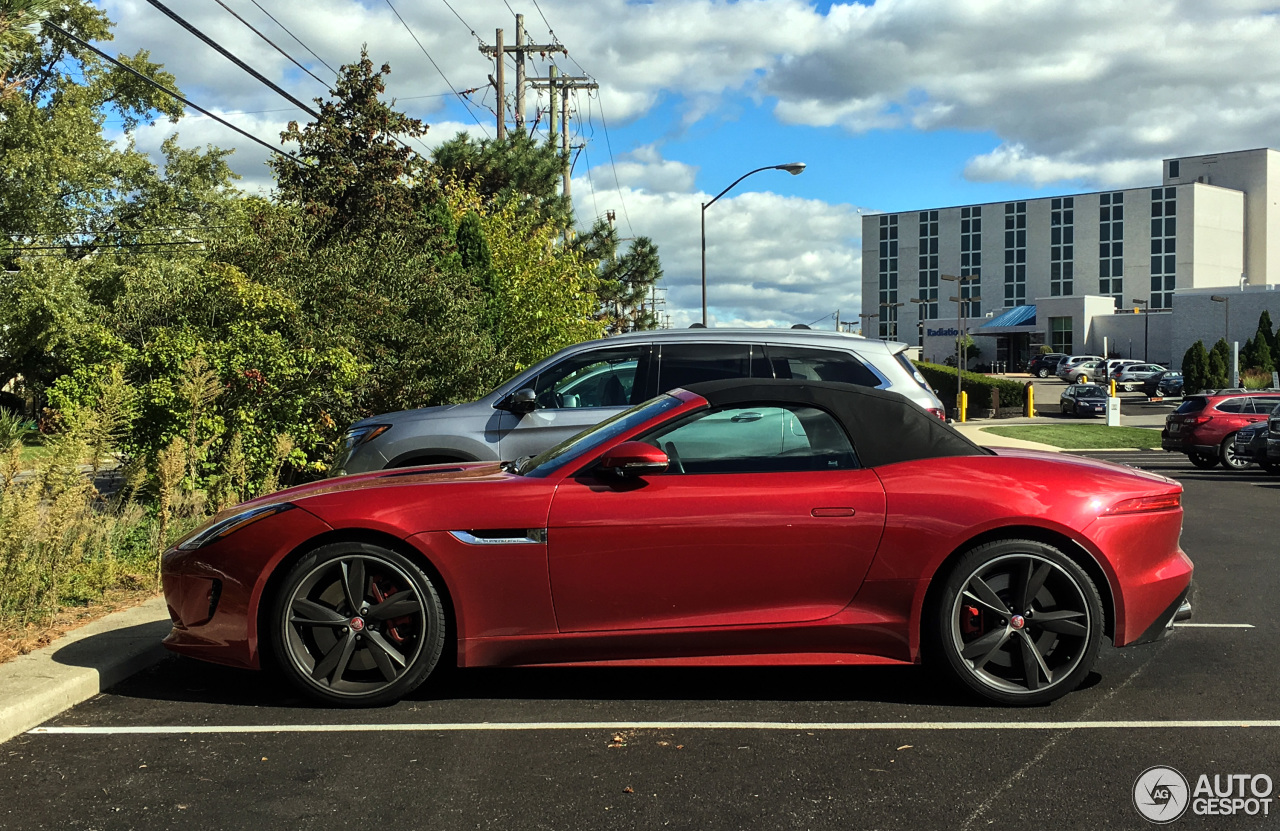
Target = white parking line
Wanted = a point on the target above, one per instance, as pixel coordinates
(830, 726)
(1213, 625)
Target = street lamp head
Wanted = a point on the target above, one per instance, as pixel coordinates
(794, 168)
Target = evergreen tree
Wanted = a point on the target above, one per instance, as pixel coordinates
(477, 259)
(1273, 337)
(1219, 366)
(1263, 355)
(518, 168)
(1195, 368)
(626, 282)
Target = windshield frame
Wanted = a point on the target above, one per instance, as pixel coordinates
(575, 447)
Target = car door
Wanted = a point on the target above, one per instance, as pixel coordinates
(574, 394)
(763, 517)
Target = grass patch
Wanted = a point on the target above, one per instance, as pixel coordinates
(32, 454)
(1081, 436)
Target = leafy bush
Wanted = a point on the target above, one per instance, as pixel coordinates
(979, 387)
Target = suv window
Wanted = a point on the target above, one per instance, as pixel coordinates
(756, 439)
(1192, 405)
(683, 364)
(599, 378)
(1234, 405)
(808, 364)
(1265, 403)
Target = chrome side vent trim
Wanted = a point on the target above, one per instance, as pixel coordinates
(501, 536)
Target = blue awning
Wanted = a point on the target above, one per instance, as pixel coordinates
(1017, 316)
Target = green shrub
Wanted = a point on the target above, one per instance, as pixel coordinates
(978, 386)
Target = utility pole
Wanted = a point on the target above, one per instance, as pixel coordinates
(500, 84)
(565, 84)
(520, 49)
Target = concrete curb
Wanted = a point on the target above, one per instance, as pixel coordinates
(36, 687)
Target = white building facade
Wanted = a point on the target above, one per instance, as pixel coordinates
(1071, 271)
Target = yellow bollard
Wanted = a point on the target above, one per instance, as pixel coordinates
(1031, 401)
(1113, 388)
(963, 406)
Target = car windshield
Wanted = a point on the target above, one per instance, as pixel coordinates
(588, 440)
(1090, 391)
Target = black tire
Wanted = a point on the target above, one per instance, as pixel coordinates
(1010, 648)
(1202, 460)
(1270, 467)
(349, 651)
(1227, 454)
(1042, 373)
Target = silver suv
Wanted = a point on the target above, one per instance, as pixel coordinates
(583, 385)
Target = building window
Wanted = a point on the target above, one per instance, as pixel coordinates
(971, 256)
(1015, 254)
(1164, 256)
(1174, 169)
(928, 269)
(1060, 335)
(888, 326)
(1111, 246)
(1062, 246)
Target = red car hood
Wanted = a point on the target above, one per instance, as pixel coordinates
(1083, 462)
(428, 475)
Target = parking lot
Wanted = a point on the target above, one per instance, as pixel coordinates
(191, 745)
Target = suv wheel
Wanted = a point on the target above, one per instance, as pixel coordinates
(1202, 460)
(1227, 453)
(1042, 373)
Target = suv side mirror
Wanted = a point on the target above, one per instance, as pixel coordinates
(634, 458)
(519, 402)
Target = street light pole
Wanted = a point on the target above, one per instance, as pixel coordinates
(1146, 327)
(959, 300)
(891, 317)
(794, 168)
(864, 317)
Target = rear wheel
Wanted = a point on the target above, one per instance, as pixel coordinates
(357, 625)
(1202, 460)
(1128, 387)
(1227, 453)
(1042, 372)
(1018, 622)
(1083, 379)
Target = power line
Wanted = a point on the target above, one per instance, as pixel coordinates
(22, 248)
(463, 22)
(544, 20)
(269, 41)
(113, 231)
(229, 56)
(292, 35)
(447, 82)
(613, 164)
(175, 95)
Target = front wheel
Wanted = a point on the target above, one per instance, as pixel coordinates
(357, 625)
(1227, 453)
(1018, 622)
(1042, 373)
(1202, 460)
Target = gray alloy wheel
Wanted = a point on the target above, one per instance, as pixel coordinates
(1042, 373)
(1202, 460)
(1018, 622)
(1227, 454)
(357, 625)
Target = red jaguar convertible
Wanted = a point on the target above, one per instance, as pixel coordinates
(733, 522)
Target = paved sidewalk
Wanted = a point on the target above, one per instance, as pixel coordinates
(84, 662)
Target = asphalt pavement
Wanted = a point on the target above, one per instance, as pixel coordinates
(188, 745)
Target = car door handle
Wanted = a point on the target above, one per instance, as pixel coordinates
(820, 512)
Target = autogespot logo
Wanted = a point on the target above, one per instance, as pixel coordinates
(1160, 794)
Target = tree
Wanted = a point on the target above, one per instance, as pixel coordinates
(355, 172)
(1219, 366)
(515, 169)
(626, 282)
(1265, 327)
(18, 20)
(1195, 368)
(1261, 347)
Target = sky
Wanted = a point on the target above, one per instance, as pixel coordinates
(893, 105)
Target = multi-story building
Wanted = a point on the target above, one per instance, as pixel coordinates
(1071, 270)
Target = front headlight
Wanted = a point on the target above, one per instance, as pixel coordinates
(226, 527)
(352, 439)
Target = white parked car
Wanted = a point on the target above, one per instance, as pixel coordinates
(1130, 376)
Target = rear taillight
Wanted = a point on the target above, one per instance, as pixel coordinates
(1195, 421)
(1143, 504)
(939, 412)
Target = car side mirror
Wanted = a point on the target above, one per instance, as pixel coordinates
(634, 458)
(521, 401)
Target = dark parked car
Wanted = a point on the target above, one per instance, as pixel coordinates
(1042, 366)
(1084, 399)
(1164, 383)
(1260, 443)
(1204, 426)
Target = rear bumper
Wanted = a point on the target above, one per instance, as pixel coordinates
(1176, 612)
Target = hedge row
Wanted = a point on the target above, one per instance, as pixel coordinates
(979, 387)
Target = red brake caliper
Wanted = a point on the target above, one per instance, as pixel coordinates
(970, 620)
(392, 625)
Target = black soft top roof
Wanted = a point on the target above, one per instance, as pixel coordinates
(885, 426)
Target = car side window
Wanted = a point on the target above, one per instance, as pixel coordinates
(599, 378)
(1234, 405)
(756, 439)
(808, 364)
(683, 364)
